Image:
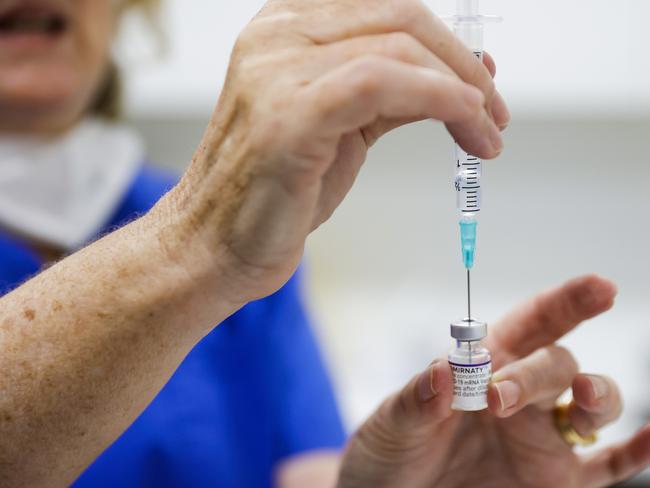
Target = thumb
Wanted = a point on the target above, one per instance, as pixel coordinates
(424, 402)
(400, 431)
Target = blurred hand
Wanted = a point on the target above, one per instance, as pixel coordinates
(415, 440)
(311, 86)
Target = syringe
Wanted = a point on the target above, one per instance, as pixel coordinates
(468, 26)
(470, 362)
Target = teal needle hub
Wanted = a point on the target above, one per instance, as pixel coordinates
(468, 241)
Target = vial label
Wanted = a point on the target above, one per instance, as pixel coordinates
(470, 385)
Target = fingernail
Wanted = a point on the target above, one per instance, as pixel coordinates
(599, 387)
(426, 391)
(509, 393)
(495, 138)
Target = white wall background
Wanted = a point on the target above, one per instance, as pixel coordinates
(555, 56)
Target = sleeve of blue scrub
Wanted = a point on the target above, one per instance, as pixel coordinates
(304, 402)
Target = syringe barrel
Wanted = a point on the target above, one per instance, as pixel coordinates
(471, 33)
(469, 29)
(467, 182)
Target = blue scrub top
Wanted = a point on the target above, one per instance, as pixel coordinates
(252, 393)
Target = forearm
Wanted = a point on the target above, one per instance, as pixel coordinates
(88, 343)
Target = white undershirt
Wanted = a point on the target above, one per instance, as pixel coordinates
(62, 191)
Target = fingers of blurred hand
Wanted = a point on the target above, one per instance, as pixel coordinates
(617, 463)
(549, 316)
(596, 403)
(537, 379)
(426, 399)
(360, 91)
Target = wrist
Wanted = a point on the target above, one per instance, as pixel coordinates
(193, 275)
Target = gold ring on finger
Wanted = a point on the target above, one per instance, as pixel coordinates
(566, 429)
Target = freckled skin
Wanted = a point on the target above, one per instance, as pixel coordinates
(100, 360)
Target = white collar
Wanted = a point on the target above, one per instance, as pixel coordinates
(62, 191)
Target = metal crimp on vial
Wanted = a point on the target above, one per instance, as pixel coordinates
(471, 365)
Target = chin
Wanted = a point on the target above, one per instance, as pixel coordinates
(40, 99)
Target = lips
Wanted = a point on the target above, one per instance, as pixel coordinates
(29, 18)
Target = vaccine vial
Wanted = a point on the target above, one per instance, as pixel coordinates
(471, 366)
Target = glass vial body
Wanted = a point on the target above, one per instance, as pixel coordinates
(471, 366)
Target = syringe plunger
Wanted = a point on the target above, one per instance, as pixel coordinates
(468, 24)
(467, 7)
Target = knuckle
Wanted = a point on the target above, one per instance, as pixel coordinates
(325, 101)
(550, 367)
(247, 71)
(550, 316)
(530, 380)
(541, 313)
(364, 79)
(483, 79)
(477, 74)
(408, 12)
(246, 39)
(403, 46)
(263, 30)
(563, 360)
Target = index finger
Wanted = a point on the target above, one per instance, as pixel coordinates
(547, 317)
